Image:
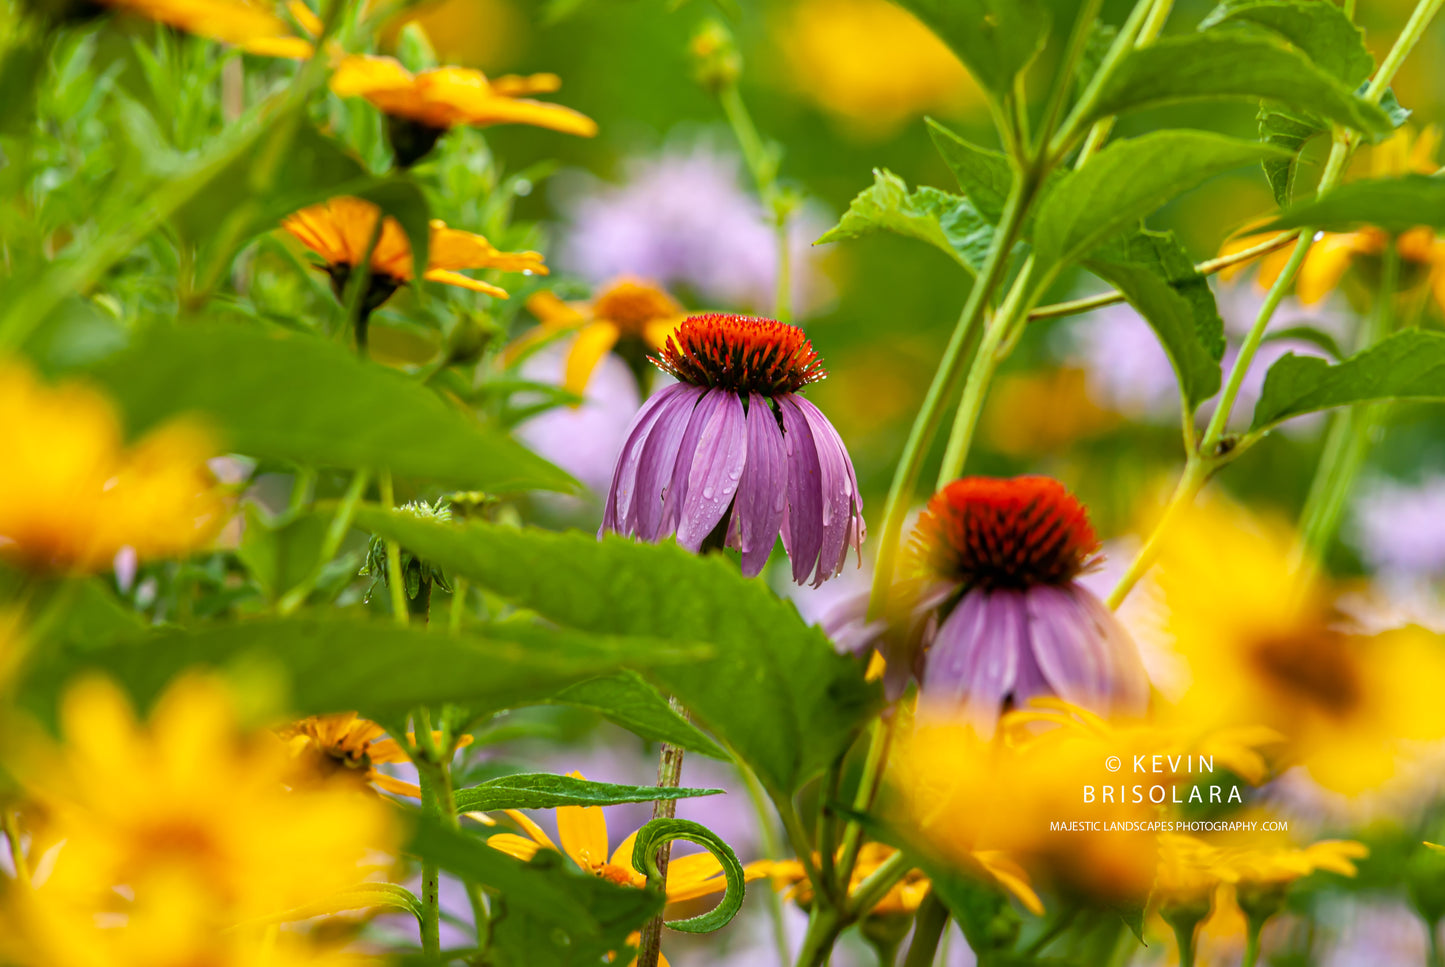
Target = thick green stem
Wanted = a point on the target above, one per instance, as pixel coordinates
(669, 774)
(928, 929)
(1425, 11)
(875, 886)
(823, 928)
(1251, 948)
(1184, 937)
(395, 581)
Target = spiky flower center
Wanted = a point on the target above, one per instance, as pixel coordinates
(741, 353)
(995, 533)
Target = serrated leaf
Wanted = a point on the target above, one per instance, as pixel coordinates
(549, 912)
(1409, 365)
(1393, 204)
(1289, 132)
(995, 39)
(1157, 276)
(638, 707)
(341, 665)
(948, 222)
(775, 691)
(1126, 181)
(1321, 30)
(292, 397)
(541, 790)
(984, 176)
(1214, 66)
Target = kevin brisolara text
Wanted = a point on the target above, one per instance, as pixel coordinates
(1166, 826)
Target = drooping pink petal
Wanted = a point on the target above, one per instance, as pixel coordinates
(803, 519)
(842, 504)
(762, 492)
(717, 466)
(658, 461)
(617, 511)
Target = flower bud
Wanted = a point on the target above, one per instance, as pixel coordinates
(716, 61)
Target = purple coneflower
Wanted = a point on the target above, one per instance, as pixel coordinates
(1020, 625)
(731, 455)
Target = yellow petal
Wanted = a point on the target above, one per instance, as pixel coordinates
(392, 784)
(1324, 266)
(449, 277)
(583, 832)
(289, 48)
(304, 18)
(622, 855)
(592, 343)
(513, 845)
(553, 313)
(530, 828)
(511, 85)
(1011, 877)
(656, 331)
(361, 74)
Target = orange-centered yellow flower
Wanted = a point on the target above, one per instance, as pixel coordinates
(72, 493)
(433, 101)
(1422, 254)
(634, 315)
(341, 229)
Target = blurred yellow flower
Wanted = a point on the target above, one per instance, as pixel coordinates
(871, 64)
(184, 825)
(340, 230)
(635, 312)
(1262, 650)
(343, 746)
(477, 33)
(72, 494)
(438, 99)
(1422, 254)
(905, 896)
(1043, 412)
(229, 21)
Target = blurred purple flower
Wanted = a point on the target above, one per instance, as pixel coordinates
(733, 448)
(682, 217)
(1400, 528)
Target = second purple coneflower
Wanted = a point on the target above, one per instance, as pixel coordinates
(732, 456)
(1015, 623)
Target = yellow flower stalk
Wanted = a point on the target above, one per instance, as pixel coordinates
(1263, 648)
(340, 231)
(347, 747)
(185, 825)
(629, 313)
(1334, 252)
(73, 493)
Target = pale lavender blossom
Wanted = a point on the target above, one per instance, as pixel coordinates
(1400, 527)
(684, 218)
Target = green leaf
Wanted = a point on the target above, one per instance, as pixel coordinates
(652, 836)
(295, 398)
(632, 703)
(1289, 132)
(1409, 365)
(340, 665)
(947, 222)
(1315, 337)
(541, 790)
(985, 176)
(1128, 180)
(995, 39)
(775, 691)
(1321, 30)
(1158, 277)
(988, 921)
(550, 911)
(1213, 66)
(281, 552)
(1393, 204)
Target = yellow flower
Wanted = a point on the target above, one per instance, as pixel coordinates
(908, 893)
(1043, 412)
(871, 64)
(72, 494)
(1422, 254)
(340, 230)
(1262, 650)
(627, 309)
(345, 746)
(175, 834)
(583, 832)
(229, 21)
(439, 99)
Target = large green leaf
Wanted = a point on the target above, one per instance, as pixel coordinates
(628, 700)
(1408, 365)
(1128, 180)
(541, 790)
(292, 397)
(947, 222)
(1227, 65)
(339, 665)
(548, 912)
(775, 691)
(1321, 30)
(985, 176)
(1394, 204)
(995, 39)
(1158, 277)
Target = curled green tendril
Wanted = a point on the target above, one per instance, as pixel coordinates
(644, 858)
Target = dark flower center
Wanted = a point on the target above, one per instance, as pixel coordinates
(992, 533)
(741, 353)
(1317, 670)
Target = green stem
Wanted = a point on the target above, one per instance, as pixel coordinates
(928, 928)
(330, 544)
(669, 775)
(459, 605)
(875, 886)
(1072, 127)
(1350, 434)
(395, 580)
(1184, 937)
(772, 850)
(1064, 76)
(1251, 947)
(823, 928)
(763, 167)
(868, 784)
(1436, 959)
(1414, 29)
(1196, 473)
(1061, 923)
